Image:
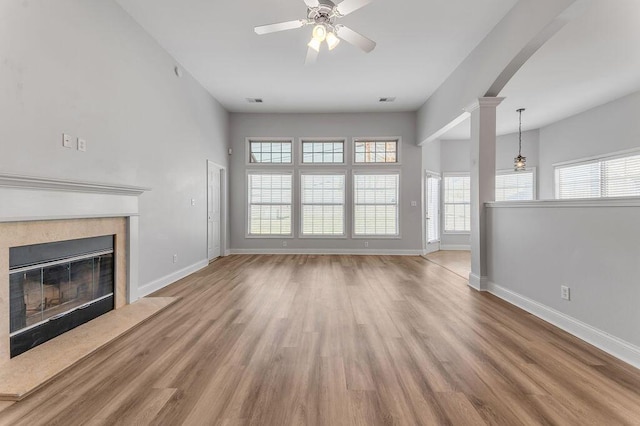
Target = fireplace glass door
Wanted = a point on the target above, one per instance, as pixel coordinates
(55, 295)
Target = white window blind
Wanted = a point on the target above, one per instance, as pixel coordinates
(515, 186)
(433, 208)
(322, 152)
(606, 177)
(457, 203)
(376, 204)
(322, 204)
(269, 204)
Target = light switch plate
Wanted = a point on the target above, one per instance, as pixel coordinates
(66, 140)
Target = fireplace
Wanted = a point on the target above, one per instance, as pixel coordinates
(55, 287)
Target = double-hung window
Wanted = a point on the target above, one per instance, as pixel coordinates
(610, 176)
(269, 207)
(515, 186)
(375, 202)
(322, 200)
(457, 203)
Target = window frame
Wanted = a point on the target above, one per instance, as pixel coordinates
(443, 209)
(380, 171)
(301, 234)
(592, 160)
(503, 172)
(247, 156)
(247, 201)
(396, 139)
(300, 157)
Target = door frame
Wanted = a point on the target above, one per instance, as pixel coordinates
(430, 247)
(223, 208)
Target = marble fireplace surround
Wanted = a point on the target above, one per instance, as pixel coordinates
(38, 210)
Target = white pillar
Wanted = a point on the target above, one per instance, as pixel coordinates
(483, 178)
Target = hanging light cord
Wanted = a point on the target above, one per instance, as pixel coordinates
(520, 133)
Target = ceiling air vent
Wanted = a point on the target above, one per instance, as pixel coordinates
(254, 100)
(387, 99)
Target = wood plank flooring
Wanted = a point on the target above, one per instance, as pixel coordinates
(337, 340)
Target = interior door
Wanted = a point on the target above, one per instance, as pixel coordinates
(213, 210)
(432, 217)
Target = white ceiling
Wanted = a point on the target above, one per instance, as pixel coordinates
(420, 42)
(593, 60)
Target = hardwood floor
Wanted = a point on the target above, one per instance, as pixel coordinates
(458, 262)
(337, 340)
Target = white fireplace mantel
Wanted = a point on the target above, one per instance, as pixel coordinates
(33, 198)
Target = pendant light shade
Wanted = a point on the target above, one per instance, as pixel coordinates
(520, 162)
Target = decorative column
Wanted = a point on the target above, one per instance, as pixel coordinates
(483, 186)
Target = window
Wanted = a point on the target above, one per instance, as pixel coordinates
(376, 204)
(613, 176)
(376, 151)
(269, 204)
(457, 203)
(515, 186)
(270, 152)
(322, 152)
(432, 195)
(322, 202)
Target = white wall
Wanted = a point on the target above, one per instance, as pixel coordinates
(86, 68)
(330, 125)
(599, 131)
(455, 156)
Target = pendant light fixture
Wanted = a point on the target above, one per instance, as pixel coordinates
(520, 162)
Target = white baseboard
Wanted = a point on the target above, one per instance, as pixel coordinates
(614, 346)
(454, 247)
(478, 283)
(371, 252)
(171, 278)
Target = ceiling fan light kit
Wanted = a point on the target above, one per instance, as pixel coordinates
(323, 14)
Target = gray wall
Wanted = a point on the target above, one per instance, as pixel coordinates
(86, 68)
(330, 125)
(599, 131)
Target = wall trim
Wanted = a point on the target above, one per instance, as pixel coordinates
(33, 182)
(610, 344)
(371, 252)
(455, 247)
(579, 203)
(162, 282)
(478, 283)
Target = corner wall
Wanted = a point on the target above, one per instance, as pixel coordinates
(87, 69)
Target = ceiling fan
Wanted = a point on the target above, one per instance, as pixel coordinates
(323, 14)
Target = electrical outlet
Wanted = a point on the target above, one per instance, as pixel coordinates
(175, 258)
(565, 292)
(284, 244)
(193, 201)
(366, 244)
(82, 145)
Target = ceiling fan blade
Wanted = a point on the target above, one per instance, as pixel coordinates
(280, 26)
(312, 3)
(312, 56)
(348, 6)
(357, 39)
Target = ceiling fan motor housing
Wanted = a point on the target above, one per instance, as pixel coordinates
(324, 13)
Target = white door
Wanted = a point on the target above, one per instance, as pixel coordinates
(432, 196)
(213, 210)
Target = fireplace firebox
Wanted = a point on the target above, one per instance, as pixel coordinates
(55, 287)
